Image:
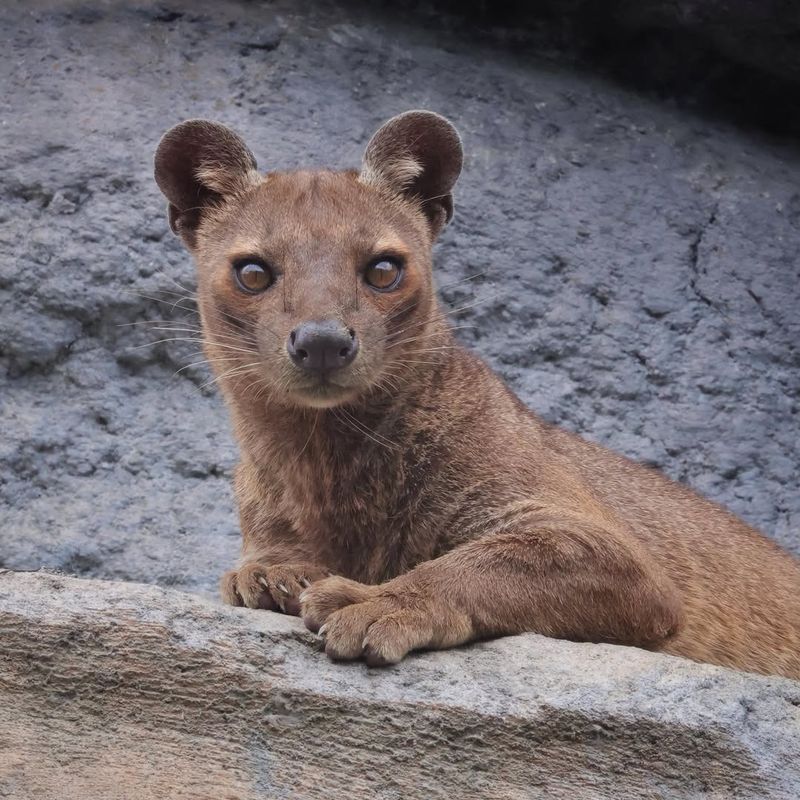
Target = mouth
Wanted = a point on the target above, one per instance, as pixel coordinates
(322, 393)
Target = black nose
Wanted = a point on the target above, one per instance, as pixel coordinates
(322, 346)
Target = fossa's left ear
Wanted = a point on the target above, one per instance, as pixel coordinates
(417, 155)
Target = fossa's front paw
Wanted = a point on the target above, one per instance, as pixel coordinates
(377, 623)
(275, 588)
(329, 595)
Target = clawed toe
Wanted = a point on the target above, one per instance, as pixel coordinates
(272, 588)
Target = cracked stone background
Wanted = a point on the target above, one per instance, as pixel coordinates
(637, 263)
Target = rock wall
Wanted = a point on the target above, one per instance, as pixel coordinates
(630, 268)
(738, 57)
(117, 691)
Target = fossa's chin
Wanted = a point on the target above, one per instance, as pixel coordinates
(323, 395)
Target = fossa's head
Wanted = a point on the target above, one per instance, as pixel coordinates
(314, 287)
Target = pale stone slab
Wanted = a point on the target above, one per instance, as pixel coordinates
(119, 690)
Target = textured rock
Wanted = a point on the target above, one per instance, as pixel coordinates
(119, 690)
(638, 273)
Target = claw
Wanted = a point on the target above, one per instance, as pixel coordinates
(321, 631)
(305, 582)
(263, 582)
(282, 587)
(302, 596)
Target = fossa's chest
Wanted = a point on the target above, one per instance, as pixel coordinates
(369, 517)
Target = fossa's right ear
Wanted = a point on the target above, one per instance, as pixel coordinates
(198, 164)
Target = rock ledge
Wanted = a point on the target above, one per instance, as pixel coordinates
(120, 690)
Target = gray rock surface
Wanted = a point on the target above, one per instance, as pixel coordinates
(760, 34)
(118, 690)
(637, 266)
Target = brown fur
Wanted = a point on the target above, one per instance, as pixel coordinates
(441, 508)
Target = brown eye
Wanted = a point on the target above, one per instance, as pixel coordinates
(252, 276)
(384, 274)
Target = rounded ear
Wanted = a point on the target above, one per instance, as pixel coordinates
(418, 156)
(197, 164)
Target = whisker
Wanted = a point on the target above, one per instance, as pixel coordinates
(424, 350)
(215, 339)
(428, 339)
(227, 316)
(191, 339)
(187, 294)
(389, 379)
(390, 392)
(442, 314)
(402, 308)
(170, 278)
(344, 422)
(150, 322)
(162, 341)
(462, 280)
(310, 435)
(171, 304)
(212, 339)
(435, 197)
(242, 368)
(204, 361)
(367, 430)
(258, 381)
(351, 423)
(422, 336)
